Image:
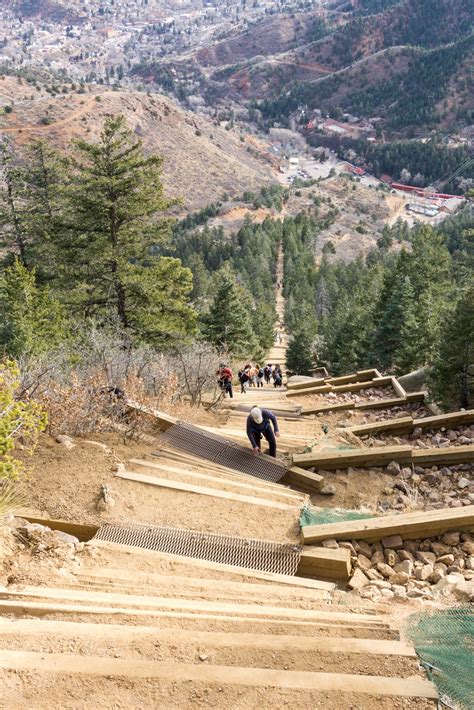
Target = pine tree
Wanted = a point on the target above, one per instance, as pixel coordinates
(31, 204)
(14, 238)
(227, 324)
(113, 207)
(396, 317)
(452, 376)
(407, 354)
(299, 360)
(32, 321)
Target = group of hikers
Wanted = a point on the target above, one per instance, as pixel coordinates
(249, 376)
(256, 376)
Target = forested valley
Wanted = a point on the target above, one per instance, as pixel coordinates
(408, 304)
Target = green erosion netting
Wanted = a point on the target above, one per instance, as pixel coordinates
(323, 516)
(444, 641)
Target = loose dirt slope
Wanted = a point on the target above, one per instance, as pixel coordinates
(201, 160)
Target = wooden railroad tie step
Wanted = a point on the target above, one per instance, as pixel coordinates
(409, 526)
(203, 490)
(217, 639)
(360, 376)
(413, 687)
(408, 424)
(330, 564)
(382, 455)
(183, 605)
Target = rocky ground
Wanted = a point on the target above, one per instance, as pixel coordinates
(430, 569)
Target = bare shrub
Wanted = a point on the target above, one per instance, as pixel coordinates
(85, 387)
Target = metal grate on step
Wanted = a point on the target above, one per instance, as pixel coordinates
(213, 447)
(250, 553)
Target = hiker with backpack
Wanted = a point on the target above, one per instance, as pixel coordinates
(260, 376)
(277, 376)
(268, 373)
(262, 422)
(224, 379)
(244, 377)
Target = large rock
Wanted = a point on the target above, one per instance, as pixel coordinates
(428, 558)
(363, 562)
(393, 542)
(358, 580)
(414, 381)
(363, 547)
(404, 567)
(451, 538)
(399, 578)
(385, 569)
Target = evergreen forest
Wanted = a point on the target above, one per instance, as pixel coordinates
(408, 304)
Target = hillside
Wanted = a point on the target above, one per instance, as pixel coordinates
(53, 10)
(360, 57)
(201, 160)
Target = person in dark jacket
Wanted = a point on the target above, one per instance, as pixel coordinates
(262, 422)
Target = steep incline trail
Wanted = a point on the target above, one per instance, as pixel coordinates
(277, 354)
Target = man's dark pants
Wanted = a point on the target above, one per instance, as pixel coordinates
(270, 437)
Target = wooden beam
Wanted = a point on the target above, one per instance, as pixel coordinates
(382, 403)
(357, 386)
(303, 480)
(318, 562)
(216, 675)
(408, 525)
(416, 396)
(359, 458)
(359, 376)
(84, 533)
(180, 604)
(221, 479)
(447, 420)
(202, 490)
(400, 425)
(165, 421)
(328, 408)
(381, 455)
(219, 639)
(192, 562)
(398, 388)
(321, 389)
(314, 382)
(453, 454)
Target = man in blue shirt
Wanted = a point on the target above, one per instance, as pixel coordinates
(259, 423)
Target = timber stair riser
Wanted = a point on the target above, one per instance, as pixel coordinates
(377, 404)
(408, 424)
(220, 675)
(380, 456)
(409, 526)
(71, 629)
(201, 622)
(354, 387)
(357, 377)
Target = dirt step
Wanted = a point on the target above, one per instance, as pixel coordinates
(111, 576)
(67, 595)
(105, 554)
(367, 657)
(207, 473)
(245, 492)
(161, 674)
(100, 585)
(198, 622)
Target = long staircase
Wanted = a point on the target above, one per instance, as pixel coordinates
(138, 627)
(141, 629)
